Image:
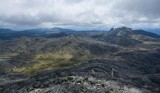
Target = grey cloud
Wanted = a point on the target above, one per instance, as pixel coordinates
(20, 20)
(79, 13)
(146, 7)
(73, 1)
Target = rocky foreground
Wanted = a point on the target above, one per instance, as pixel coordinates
(94, 76)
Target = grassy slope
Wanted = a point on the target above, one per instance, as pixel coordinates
(50, 61)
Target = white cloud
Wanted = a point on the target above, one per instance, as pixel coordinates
(80, 13)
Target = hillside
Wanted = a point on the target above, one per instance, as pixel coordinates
(120, 60)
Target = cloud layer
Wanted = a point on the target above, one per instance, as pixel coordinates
(80, 13)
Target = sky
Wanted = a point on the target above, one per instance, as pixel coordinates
(79, 14)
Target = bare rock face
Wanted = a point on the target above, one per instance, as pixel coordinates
(81, 85)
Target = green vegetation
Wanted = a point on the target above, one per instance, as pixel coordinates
(139, 38)
(143, 49)
(41, 65)
(54, 56)
(150, 42)
(9, 55)
(50, 61)
(136, 37)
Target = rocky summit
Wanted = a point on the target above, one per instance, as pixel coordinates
(59, 60)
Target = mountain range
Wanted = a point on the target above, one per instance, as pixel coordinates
(57, 60)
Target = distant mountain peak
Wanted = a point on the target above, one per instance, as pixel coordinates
(5, 30)
(124, 28)
(57, 28)
(121, 29)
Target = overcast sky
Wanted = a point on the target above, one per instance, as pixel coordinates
(86, 14)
